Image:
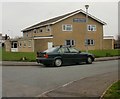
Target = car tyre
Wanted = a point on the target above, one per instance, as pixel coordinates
(89, 60)
(57, 62)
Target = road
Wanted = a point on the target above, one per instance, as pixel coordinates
(31, 81)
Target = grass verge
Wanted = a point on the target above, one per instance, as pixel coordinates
(105, 53)
(31, 56)
(18, 56)
(113, 92)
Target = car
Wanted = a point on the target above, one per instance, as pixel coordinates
(59, 55)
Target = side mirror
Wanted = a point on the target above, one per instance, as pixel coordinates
(79, 51)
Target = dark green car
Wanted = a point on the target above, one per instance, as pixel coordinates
(57, 56)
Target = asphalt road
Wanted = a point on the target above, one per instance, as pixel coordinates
(31, 81)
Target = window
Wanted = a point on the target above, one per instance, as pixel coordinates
(48, 29)
(66, 27)
(70, 42)
(20, 44)
(79, 20)
(26, 34)
(52, 49)
(91, 27)
(41, 30)
(24, 44)
(35, 31)
(73, 50)
(89, 42)
(29, 43)
(63, 50)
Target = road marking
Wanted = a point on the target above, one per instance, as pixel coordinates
(67, 84)
(44, 93)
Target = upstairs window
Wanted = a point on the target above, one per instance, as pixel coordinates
(91, 27)
(35, 31)
(41, 30)
(66, 27)
(48, 29)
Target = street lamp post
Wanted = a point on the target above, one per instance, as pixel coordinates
(86, 37)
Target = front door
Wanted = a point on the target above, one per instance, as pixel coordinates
(50, 44)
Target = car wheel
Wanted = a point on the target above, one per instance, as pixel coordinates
(89, 60)
(58, 62)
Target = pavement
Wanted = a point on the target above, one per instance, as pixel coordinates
(90, 87)
(18, 63)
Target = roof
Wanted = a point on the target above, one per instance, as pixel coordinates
(60, 18)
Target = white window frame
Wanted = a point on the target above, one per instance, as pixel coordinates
(30, 43)
(20, 44)
(24, 44)
(91, 44)
(48, 27)
(40, 30)
(92, 27)
(35, 31)
(65, 25)
(70, 42)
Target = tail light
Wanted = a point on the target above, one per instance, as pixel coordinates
(46, 55)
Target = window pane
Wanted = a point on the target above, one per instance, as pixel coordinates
(41, 30)
(64, 27)
(91, 27)
(73, 50)
(67, 42)
(73, 42)
(63, 50)
(67, 27)
(92, 42)
(88, 42)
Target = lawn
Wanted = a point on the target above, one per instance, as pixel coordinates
(18, 56)
(105, 53)
(0, 53)
(31, 56)
(113, 92)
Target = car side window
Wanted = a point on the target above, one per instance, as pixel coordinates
(63, 50)
(73, 50)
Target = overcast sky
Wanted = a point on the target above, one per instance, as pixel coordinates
(19, 15)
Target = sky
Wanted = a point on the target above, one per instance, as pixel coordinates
(15, 16)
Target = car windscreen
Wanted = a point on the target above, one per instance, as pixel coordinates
(51, 49)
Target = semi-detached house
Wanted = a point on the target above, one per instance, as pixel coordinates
(69, 29)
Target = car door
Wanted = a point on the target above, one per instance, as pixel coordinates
(74, 55)
(65, 54)
(82, 57)
(77, 56)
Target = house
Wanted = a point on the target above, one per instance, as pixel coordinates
(117, 42)
(108, 42)
(69, 29)
(2, 39)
